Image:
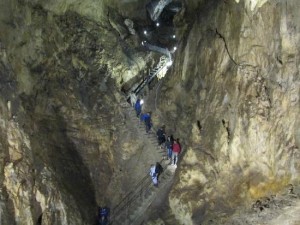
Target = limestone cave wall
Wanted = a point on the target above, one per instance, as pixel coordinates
(233, 98)
(62, 66)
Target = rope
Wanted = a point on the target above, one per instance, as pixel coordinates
(154, 72)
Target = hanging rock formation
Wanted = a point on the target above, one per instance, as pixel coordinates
(155, 8)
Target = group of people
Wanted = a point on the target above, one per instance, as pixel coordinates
(173, 149)
(144, 117)
(171, 145)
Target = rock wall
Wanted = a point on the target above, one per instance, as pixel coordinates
(233, 99)
(62, 65)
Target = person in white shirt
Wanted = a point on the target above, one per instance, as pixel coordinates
(153, 175)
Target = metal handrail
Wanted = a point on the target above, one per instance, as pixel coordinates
(131, 196)
(162, 63)
(119, 207)
(138, 190)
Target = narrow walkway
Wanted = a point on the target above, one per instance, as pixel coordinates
(158, 71)
(132, 208)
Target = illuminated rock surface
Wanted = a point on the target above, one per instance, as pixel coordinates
(68, 143)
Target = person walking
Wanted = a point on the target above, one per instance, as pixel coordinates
(169, 145)
(138, 107)
(147, 121)
(176, 149)
(158, 169)
(103, 216)
(161, 136)
(153, 175)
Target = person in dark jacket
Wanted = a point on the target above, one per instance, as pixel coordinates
(103, 216)
(161, 136)
(169, 145)
(147, 121)
(158, 169)
(138, 107)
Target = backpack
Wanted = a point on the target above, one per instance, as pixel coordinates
(159, 169)
(160, 132)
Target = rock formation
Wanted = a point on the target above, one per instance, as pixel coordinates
(61, 74)
(231, 96)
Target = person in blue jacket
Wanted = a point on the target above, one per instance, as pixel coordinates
(138, 107)
(147, 121)
(103, 216)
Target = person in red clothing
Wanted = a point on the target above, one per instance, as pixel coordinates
(175, 152)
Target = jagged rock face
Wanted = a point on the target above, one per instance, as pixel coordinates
(92, 9)
(61, 71)
(233, 99)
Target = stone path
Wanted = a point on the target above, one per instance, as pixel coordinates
(133, 209)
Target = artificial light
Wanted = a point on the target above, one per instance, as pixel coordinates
(169, 63)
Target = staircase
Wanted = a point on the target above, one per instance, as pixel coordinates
(132, 208)
(159, 70)
(151, 136)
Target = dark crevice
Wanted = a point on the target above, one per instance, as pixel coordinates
(40, 219)
(199, 125)
(226, 126)
(226, 47)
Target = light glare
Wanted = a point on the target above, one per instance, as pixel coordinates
(169, 63)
